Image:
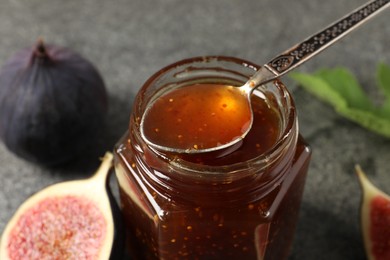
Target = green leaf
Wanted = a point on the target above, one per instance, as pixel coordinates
(384, 110)
(340, 88)
(345, 83)
(320, 88)
(383, 76)
(383, 79)
(369, 120)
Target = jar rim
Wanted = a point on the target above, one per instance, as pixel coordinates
(273, 153)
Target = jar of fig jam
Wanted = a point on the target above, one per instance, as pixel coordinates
(234, 203)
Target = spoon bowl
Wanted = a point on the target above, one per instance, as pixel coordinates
(277, 67)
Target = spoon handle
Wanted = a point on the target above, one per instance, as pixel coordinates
(300, 53)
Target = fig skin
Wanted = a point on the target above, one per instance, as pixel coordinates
(375, 219)
(52, 103)
(95, 190)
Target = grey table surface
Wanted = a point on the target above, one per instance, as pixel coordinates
(129, 40)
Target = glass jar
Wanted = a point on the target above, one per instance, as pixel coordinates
(245, 206)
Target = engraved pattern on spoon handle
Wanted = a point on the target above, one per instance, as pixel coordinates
(313, 45)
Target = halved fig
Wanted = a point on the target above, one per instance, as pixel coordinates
(375, 219)
(70, 220)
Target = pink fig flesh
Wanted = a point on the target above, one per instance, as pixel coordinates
(70, 220)
(375, 219)
(50, 230)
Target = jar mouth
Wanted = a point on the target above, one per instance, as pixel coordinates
(222, 68)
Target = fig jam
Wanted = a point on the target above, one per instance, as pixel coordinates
(234, 203)
(194, 114)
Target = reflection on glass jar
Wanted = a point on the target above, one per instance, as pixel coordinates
(234, 203)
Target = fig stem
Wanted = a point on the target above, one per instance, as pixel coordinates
(40, 49)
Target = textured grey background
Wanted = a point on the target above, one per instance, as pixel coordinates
(129, 40)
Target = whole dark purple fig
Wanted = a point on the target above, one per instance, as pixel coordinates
(52, 102)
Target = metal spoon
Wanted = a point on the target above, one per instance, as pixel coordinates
(287, 61)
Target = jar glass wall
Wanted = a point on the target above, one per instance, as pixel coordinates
(235, 203)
